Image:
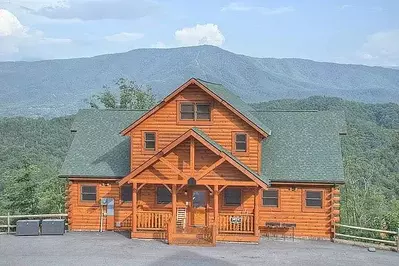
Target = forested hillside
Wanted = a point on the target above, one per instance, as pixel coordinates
(58, 87)
(31, 151)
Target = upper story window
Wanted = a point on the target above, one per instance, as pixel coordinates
(190, 111)
(149, 141)
(240, 142)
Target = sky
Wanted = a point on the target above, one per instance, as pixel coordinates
(355, 32)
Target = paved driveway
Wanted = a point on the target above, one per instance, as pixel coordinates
(90, 248)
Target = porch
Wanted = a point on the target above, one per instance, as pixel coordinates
(196, 215)
(197, 190)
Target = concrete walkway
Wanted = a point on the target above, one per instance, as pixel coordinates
(90, 248)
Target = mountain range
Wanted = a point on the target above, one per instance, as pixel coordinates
(59, 87)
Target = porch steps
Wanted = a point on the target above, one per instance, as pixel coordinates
(191, 242)
(191, 236)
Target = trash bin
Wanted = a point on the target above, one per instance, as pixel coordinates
(28, 227)
(53, 227)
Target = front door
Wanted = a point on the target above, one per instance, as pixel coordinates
(199, 202)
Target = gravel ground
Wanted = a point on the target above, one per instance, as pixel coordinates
(109, 248)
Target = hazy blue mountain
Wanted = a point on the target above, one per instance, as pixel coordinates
(57, 87)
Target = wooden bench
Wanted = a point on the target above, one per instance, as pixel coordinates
(280, 225)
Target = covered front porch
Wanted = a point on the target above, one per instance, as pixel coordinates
(194, 189)
(196, 213)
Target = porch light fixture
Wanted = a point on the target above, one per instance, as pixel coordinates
(191, 181)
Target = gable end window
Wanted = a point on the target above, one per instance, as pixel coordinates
(195, 111)
(88, 193)
(240, 142)
(150, 141)
(314, 199)
(126, 193)
(232, 197)
(163, 195)
(270, 198)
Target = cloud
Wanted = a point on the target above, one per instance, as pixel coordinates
(240, 7)
(381, 48)
(10, 25)
(98, 9)
(16, 40)
(200, 34)
(124, 37)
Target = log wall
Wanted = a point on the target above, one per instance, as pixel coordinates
(310, 223)
(165, 123)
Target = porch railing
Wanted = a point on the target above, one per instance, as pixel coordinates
(236, 223)
(153, 220)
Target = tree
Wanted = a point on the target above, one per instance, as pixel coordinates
(21, 194)
(130, 96)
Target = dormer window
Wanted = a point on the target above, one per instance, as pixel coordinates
(203, 111)
(195, 111)
(187, 111)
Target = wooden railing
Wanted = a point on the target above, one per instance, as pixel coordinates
(391, 238)
(8, 222)
(236, 223)
(153, 220)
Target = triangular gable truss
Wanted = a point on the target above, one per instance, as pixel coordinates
(192, 81)
(224, 157)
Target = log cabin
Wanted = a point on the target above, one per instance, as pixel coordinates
(203, 165)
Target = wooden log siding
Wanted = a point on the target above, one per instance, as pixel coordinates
(87, 216)
(315, 224)
(309, 224)
(223, 123)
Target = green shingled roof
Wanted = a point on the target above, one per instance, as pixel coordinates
(235, 101)
(97, 149)
(304, 146)
(228, 153)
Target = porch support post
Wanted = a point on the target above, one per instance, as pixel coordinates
(192, 156)
(216, 206)
(134, 208)
(174, 208)
(257, 197)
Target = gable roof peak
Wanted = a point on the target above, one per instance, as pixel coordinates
(218, 92)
